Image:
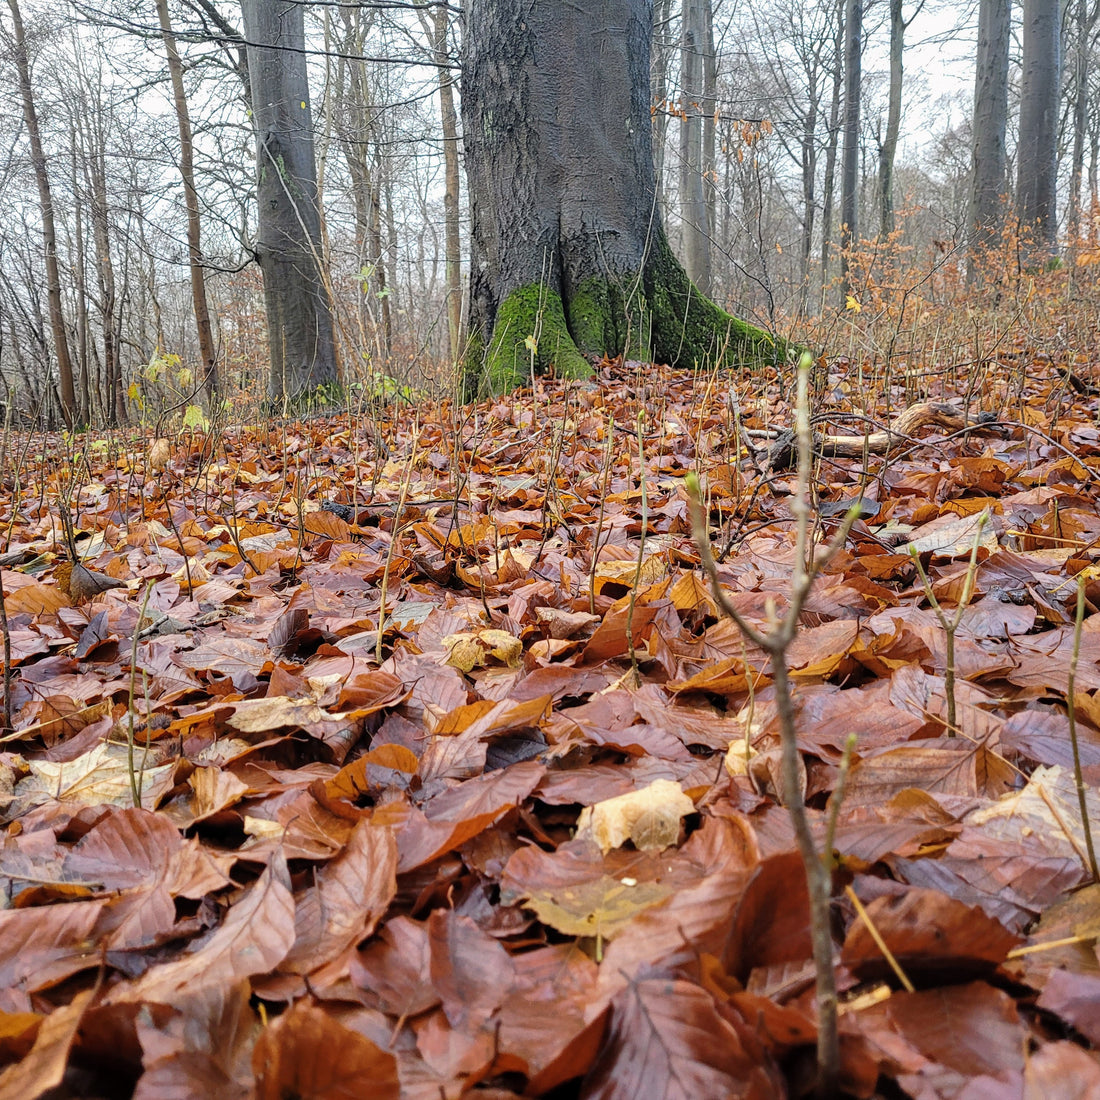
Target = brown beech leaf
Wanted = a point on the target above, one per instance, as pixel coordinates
(308, 1054)
(81, 583)
(126, 848)
(471, 970)
(578, 892)
(349, 897)
(953, 1034)
(771, 924)
(1063, 1070)
(933, 937)
(668, 1040)
(253, 938)
(41, 946)
(394, 969)
(452, 818)
(543, 1020)
(945, 767)
(43, 1068)
(1074, 998)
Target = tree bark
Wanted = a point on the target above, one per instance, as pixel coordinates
(889, 147)
(288, 241)
(849, 169)
(452, 247)
(829, 184)
(1084, 22)
(987, 182)
(1037, 158)
(569, 257)
(207, 354)
(695, 223)
(49, 231)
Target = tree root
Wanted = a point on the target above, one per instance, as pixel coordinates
(780, 455)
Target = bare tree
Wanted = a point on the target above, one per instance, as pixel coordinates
(49, 231)
(1084, 24)
(889, 145)
(988, 183)
(697, 63)
(288, 240)
(207, 354)
(1037, 149)
(849, 187)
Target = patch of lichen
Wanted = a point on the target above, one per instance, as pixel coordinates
(690, 330)
(537, 312)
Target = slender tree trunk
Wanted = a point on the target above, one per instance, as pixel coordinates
(49, 232)
(710, 129)
(105, 278)
(849, 182)
(808, 142)
(988, 182)
(695, 225)
(207, 353)
(889, 146)
(662, 14)
(452, 247)
(1037, 158)
(378, 249)
(288, 244)
(829, 183)
(1084, 21)
(80, 288)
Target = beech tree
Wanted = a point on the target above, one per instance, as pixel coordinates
(288, 239)
(1037, 155)
(49, 232)
(568, 254)
(987, 180)
(849, 171)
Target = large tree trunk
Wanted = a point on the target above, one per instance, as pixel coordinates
(569, 257)
(987, 182)
(49, 232)
(288, 240)
(1037, 156)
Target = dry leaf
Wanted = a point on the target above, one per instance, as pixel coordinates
(649, 817)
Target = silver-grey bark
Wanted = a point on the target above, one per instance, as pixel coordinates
(849, 168)
(696, 58)
(1037, 151)
(988, 184)
(288, 240)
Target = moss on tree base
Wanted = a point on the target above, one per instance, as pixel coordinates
(531, 333)
(660, 316)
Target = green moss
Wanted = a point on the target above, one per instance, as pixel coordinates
(605, 318)
(689, 329)
(661, 316)
(535, 312)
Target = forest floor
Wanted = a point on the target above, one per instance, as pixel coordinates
(464, 784)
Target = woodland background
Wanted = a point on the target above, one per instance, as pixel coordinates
(752, 105)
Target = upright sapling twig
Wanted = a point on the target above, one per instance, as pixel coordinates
(775, 640)
(1071, 712)
(951, 626)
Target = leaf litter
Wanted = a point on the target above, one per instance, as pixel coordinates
(478, 793)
